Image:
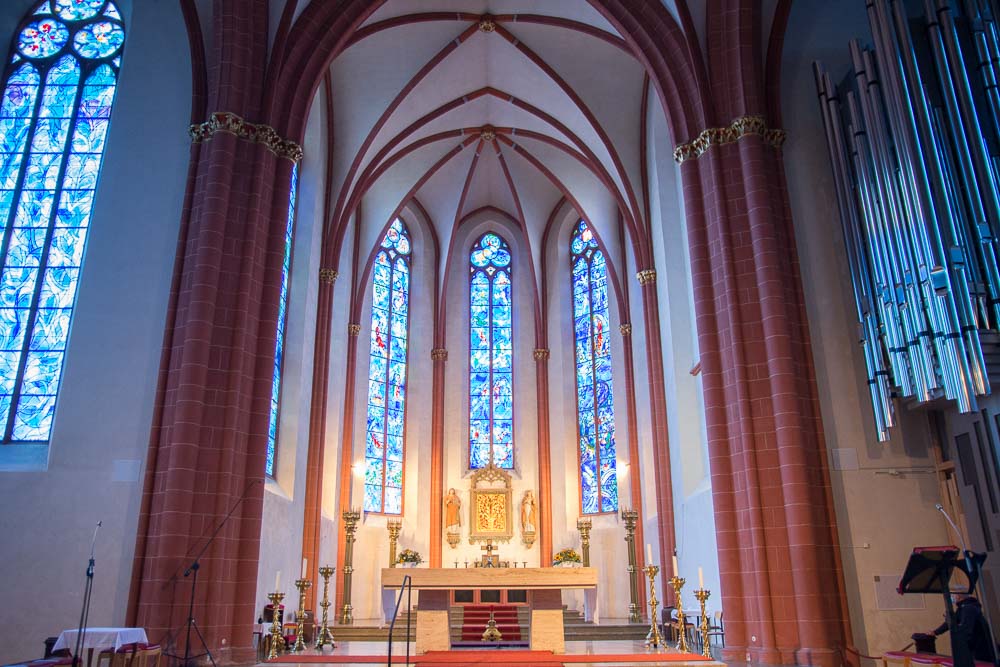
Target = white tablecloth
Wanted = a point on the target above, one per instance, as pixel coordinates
(100, 638)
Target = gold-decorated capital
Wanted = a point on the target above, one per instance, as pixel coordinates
(328, 276)
(646, 276)
(487, 24)
(541, 353)
(439, 354)
(353, 329)
(626, 329)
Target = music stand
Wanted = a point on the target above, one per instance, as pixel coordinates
(929, 571)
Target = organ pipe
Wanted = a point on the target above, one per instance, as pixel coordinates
(913, 132)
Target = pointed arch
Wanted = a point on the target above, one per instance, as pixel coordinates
(58, 90)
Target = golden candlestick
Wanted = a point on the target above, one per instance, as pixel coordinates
(631, 518)
(394, 526)
(276, 637)
(584, 526)
(324, 635)
(654, 638)
(351, 518)
(300, 616)
(702, 596)
(678, 583)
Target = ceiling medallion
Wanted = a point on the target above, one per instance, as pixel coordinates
(486, 23)
(487, 133)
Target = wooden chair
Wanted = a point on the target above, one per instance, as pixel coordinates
(148, 656)
(120, 658)
(715, 629)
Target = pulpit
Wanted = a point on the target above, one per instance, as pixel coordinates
(544, 586)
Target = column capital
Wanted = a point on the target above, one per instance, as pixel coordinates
(541, 353)
(258, 133)
(439, 354)
(626, 329)
(353, 329)
(328, 276)
(646, 276)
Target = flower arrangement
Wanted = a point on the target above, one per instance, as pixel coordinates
(409, 556)
(567, 555)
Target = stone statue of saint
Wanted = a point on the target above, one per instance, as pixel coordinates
(452, 512)
(528, 512)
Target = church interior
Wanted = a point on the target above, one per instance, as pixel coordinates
(662, 329)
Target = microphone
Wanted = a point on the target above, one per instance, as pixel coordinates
(940, 508)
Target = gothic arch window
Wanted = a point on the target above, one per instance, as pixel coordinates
(491, 352)
(594, 394)
(279, 346)
(58, 89)
(387, 373)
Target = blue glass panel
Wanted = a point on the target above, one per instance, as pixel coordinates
(17, 286)
(75, 10)
(90, 134)
(8, 371)
(13, 132)
(99, 40)
(58, 288)
(42, 38)
(74, 208)
(393, 501)
(33, 419)
(5, 403)
(44, 8)
(394, 448)
(41, 173)
(51, 329)
(82, 170)
(67, 247)
(112, 11)
(394, 473)
(373, 498)
(41, 373)
(373, 471)
(12, 328)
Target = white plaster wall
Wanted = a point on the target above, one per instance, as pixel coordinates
(694, 511)
(880, 515)
(101, 430)
(284, 497)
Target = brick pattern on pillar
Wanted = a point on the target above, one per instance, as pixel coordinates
(541, 355)
(346, 454)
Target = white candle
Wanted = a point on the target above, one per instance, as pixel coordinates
(701, 579)
(649, 554)
(277, 582)
(305, 567)
(676, 570)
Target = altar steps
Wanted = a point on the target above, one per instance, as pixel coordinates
(576, 628)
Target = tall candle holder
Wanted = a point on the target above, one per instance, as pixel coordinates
(351, 518)
(703, 596)
(300, 616)
(584, 526)
(678, 583)
(394, 526)
(654, 638)
(631, 518)
(324, 636)
(276, 637)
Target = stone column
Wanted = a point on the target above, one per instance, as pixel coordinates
(438, 356)
(347, 447)
(544, 458)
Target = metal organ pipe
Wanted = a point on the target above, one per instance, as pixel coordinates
(919, 207)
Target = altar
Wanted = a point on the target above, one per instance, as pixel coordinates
(544, 587)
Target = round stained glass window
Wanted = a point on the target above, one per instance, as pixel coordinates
(76, 10)
(41, 39)
(99, 40)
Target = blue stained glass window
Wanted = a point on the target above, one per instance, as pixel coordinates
(57, 97)
(387, 373)
(491, 355)
(594, 395)
(286, 266)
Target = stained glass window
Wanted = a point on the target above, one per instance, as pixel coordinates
(279, 347)
(387, 373)
(594, 395)
(491, 352)
(58, 90)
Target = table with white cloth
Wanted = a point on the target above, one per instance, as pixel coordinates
(100, 639)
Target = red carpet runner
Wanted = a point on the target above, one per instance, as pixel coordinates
(494, 658)
(476, 616)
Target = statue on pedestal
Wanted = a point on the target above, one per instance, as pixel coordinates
(452, 517)
(528, 517)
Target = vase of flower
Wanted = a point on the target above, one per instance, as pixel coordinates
(568, 557)
(408, 558)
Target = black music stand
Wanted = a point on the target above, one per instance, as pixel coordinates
(929, 571)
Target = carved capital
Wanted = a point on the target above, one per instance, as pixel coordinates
(716, 136)
(439, 354)
(328, 276)
(353, 329)
(487, 24)
(646, 276)
(626, 329)
(230, 123)
(541, 353)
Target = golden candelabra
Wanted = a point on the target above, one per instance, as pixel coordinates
(351, 518)
(654, 638)
(300, 616)
(584, 526)
(324, 636)
(276, 637)
(631, 518)
(492, 632)
(702, 596)
(394, 526)
(678, 584)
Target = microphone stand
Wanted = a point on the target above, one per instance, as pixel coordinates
(85, 609)
(188, 659)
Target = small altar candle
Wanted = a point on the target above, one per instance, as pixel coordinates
(277, 582)
(676, 570)
(305, 567)
(701, 579)
(649, 554)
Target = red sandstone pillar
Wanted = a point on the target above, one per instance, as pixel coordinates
(439, 356)
(346, 454)
(635, 464)
(544, 458)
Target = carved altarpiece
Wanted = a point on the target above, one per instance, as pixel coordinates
(491, 515)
